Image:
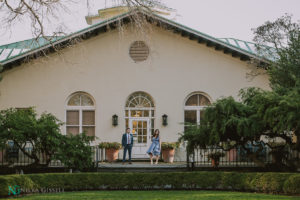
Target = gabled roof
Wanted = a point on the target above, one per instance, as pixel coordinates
(20, 50)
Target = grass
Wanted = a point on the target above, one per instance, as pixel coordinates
(157, 195)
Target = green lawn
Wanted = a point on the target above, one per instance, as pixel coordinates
(163, 195)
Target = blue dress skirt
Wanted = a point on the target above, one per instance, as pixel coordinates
(154, 148)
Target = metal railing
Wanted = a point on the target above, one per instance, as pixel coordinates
(237, 157)
(14, 157)
(11, 158)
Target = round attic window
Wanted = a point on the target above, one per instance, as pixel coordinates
(139, 51)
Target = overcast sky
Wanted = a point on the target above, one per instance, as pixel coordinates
(218, 18)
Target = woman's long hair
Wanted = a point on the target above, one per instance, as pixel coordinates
(156, 133)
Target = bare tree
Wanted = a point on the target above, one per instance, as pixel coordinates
(37, 12)
(41, 13)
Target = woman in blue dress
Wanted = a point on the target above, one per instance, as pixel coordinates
(154, 149)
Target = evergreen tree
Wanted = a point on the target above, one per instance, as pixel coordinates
(260, 116)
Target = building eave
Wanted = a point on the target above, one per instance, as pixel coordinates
(67, 38)
(169, 24)
(209, 40)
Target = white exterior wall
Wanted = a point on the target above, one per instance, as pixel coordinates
(101, 66)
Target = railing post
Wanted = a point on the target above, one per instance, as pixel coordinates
(97, 154)
(187, 160)
(193, 161)
(102, 155)
(2, 156)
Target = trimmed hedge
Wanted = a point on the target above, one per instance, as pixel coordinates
(285, 183)
(292, 185)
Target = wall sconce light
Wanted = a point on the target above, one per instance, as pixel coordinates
(115, 120)
(165, 120)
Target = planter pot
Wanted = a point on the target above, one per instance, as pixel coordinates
(232, 155)
(277, 159)
(215, 162)
(168, 155)
(278, 156)
(2, 155)
(111, 154)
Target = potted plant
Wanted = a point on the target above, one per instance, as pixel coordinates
(215, 158)
(111, 150)
(168, 151)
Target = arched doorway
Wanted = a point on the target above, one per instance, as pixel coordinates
(139, 117)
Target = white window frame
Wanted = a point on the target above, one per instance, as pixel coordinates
(80, 109)
(195, 108)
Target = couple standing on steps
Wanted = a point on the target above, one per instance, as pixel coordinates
(154, 149)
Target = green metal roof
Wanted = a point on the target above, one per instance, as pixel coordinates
(14, 51)
(243, 45)
(250, 47)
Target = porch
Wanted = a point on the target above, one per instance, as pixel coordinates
(141, 166)
(14, 161)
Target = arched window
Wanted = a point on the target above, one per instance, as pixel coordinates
(80, 114)
(139, 100)
(194, 105)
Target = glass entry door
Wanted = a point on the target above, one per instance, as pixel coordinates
(141, 134)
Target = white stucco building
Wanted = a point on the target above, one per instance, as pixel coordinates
(171, 70)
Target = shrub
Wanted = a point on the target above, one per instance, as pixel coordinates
(12, 180)
(287, 183)
(169, 145)
(215, 155)
(110, 145)
(292, 185)
(75, 151)
(237, 180)
(269, 182)
(23, 126)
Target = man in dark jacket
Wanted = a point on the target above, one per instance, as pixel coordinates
(127, 143)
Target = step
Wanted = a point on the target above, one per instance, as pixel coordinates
(141, 167)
